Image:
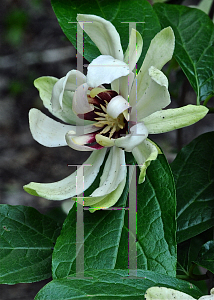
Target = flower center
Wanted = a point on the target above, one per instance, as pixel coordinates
(110, 124)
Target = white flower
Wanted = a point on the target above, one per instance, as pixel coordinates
(119, 118)
(163, 293)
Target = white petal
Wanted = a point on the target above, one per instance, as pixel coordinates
(207, 297)
(163, 293)
(156, 95)
(115, 85)
(46, 131)
(171, 119)
(103, 34)
(133, 53)
(80, 100)
(113, 173)
(116, 106)
(67, 188)
(45, 86)
(144, 154)
(105, 69)
(70, 82)
(159, 53)
(138, 133)
(78, 142)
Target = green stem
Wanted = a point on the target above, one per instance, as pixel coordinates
(211, 110)
(183, 277)
(207, 99)
(194, 276)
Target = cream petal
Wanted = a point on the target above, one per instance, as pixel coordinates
(116, 106)
(144, 153)
(71, 81)
(78, 142)
(156, 95)
(67, 188)
(105, 69)
(80, 100)
(113, 173)
(138, 133)
(115, 85)
(125, 84)
(45, 86)
(133, 53)
(171, 119)
(163, 293)
(159, 53)
(104, 140)
(46, 131)
(103, 34)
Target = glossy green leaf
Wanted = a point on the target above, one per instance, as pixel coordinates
(102, 231)
(193, 170)
(188, 250)
(111, 285)
(26, 243)
(156, 228)
(194, 50)
(206, 256)
(117, 12)
(106, 235)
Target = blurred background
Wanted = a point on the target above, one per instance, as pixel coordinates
(33, 45)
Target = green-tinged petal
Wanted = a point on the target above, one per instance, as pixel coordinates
(103, 34)
(155, 97)
(67, 205)
(104, 140)
(125, 82)
(70, 82)
(174, 118)
(134, 49)
(159, 53)
(144, 154)
(113, 173)
(163, 293)
(103, 202)
(46, 131)
(67, 188)
(45, 86)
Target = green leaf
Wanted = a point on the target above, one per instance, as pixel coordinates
(194, 37)
(206, 256)
(116, 12)
(193, 170)
(111, 284)
(106, 235)
(26, 243)
(188, 250)
(156, 227)
(102, 231)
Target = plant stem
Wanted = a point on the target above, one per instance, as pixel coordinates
(207, 99)
(194, 276)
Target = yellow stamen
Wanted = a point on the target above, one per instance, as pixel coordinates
(103, 108)
(106, 129)
(100, 114)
